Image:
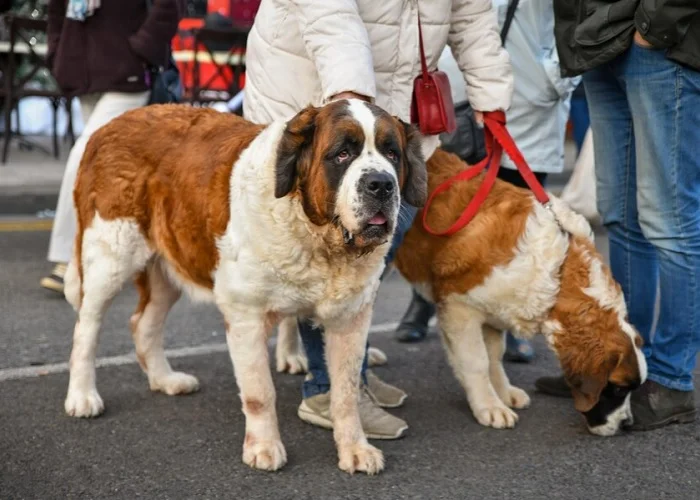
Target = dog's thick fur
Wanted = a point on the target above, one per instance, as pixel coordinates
(531, 269)
(266, 222)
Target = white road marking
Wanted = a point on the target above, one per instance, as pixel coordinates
(128, 359)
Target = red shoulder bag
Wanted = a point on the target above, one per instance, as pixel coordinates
(432, 108)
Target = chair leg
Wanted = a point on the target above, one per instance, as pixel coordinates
(56, 103)
(71, 130)
(7, 133)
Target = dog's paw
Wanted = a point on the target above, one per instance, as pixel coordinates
(376, 357)
(84, 404)
(498, 417)
(360, 457)
(291, 362)
(175, 383)
(264, 455)
(517, 398)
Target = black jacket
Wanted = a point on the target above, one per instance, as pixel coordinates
(592, 32)
(110, 50)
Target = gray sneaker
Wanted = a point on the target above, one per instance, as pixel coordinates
(377, 423)
(386, 395)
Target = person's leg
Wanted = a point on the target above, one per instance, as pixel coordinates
(580, 118)
(63, 230)
(97, 109)
(518, 350)
(665, 99)
(632, 258)
(413, 326)
(317, 380)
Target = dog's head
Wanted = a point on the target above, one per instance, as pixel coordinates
(599, 350)
(350, 162)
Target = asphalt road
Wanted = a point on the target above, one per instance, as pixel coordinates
(154, 446)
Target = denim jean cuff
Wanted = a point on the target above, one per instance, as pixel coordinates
(310, 389)
(671, 383)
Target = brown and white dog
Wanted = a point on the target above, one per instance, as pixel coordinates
(267, 222)
(522, 266)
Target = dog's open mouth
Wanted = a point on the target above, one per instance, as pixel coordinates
(375, 229)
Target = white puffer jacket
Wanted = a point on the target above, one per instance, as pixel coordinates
(303, 52)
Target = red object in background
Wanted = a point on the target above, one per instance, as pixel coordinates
(183, 43)
(241, 12)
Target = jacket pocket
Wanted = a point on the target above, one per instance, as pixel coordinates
(600, 21)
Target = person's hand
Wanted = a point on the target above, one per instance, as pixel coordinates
(639, 40)
(479, 118)
(349, 95)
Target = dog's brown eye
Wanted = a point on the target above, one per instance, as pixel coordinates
(391, 155)
(342, 156)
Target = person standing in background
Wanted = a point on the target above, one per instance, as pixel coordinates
(99, 52)
(536, 120)
(640, 61)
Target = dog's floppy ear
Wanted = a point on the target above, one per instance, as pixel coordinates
(586, 391)
(298, 135)
(587, 383)
(418, 148)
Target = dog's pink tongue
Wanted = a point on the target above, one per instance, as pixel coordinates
(377, 220)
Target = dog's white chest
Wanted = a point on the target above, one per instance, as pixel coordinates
(288, 280)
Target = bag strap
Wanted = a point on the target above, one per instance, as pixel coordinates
(423, 63)
(497, 140)
(510, 14)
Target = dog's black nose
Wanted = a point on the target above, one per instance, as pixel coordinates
(379, 185)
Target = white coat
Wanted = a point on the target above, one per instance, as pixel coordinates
(541, 97)
(303, 52)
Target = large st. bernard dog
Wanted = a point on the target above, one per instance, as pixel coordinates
(289, 219)
(529, 268)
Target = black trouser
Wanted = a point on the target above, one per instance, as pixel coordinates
(513, 177)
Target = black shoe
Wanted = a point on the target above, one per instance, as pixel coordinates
(553, 386)
(655, 406)
(414, 324)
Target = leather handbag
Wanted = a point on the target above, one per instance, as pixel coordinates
(432, 108)
(467, 141)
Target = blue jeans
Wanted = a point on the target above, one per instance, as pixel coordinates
(312, 338)
(645, 118)
(580, 120)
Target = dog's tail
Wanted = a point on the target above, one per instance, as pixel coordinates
(571, 221)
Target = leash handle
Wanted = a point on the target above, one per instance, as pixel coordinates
(497, 140)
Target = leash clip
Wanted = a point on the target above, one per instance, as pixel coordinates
(550, 208)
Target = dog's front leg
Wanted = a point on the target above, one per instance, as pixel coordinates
(463, 338)
(345, 350)
(246, 335)
(289, 353)
(512, 396)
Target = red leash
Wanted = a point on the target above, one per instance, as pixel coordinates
(497, 140)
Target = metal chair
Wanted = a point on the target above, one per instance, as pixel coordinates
(224, 49)
(15, 86)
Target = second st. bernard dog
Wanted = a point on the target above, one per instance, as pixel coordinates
(290, 219)
(532, 269)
